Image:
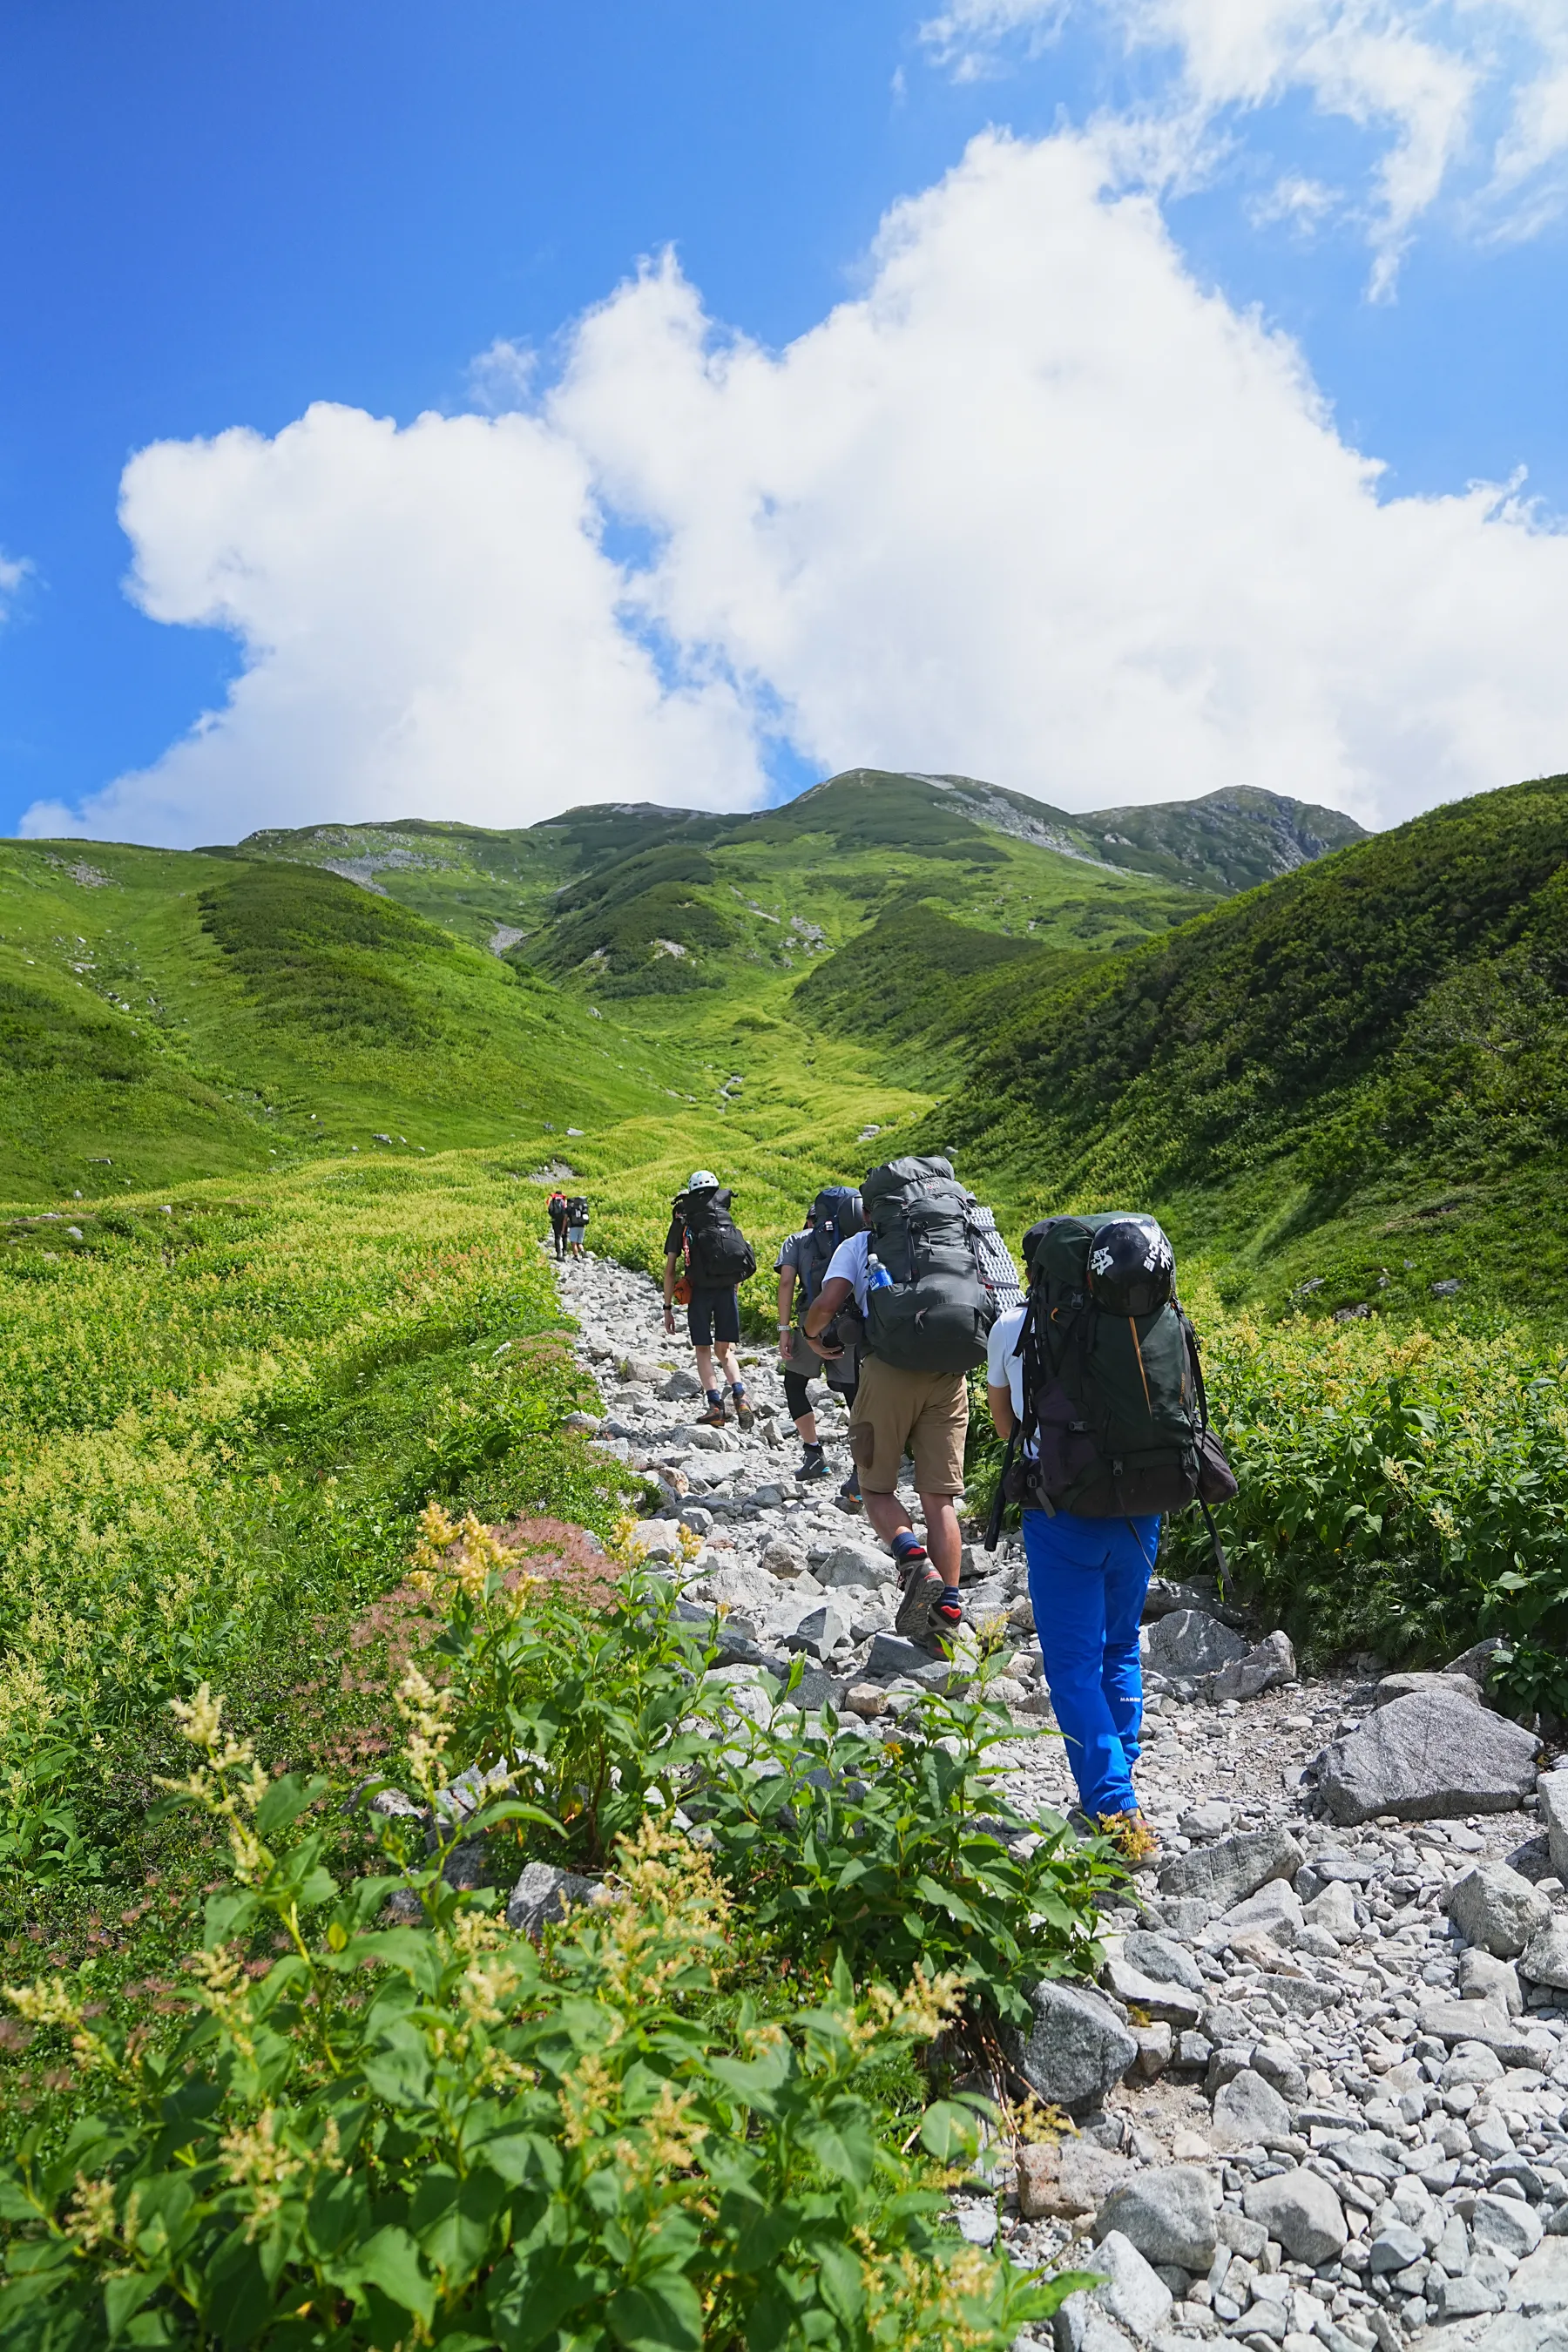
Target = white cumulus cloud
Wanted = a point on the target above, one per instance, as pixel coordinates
(1467, 99)
(1039, 508)
(1035, 506)
(429, 627)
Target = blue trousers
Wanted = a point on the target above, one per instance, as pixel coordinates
(1087, 1578)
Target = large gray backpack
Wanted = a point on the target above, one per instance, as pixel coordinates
(928, 1308)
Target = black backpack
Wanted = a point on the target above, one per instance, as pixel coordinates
(576, 1210)
(837, 1212)
(934, 1311)
(718, 1253)
(1115, 1416)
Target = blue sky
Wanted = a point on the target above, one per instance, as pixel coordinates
(220, 215)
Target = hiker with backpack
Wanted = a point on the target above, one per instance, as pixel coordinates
(706, 1258)
(576, 1223)
(1095, 1384)
(801, 1264)
(917, 1276)
(557, 1206)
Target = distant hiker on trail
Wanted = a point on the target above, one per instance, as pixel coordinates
(576, 1223)
(706, 1258)
(915, 1274)
(1099, 1374)
(801, 1264)
(558, 1220)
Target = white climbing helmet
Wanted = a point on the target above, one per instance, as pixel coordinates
(702, 1180)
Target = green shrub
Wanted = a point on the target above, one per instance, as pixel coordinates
(376, 2136)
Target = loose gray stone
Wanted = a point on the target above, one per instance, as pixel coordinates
(1335, 1911)
(1552, 1790)
(1275, 1911)
(1483, 1977)
(1516, 2332)
(1493, 1906)
(1477, 1660)
(1172, 2004)
(1167, 2212)
(1075, 2048)
(1541, 2281)
(1424, 1757)
(1131, 2295)
(1070, 2178)
(891, 1654)
(1247, 2111)
(679, 1384)
(1266, 1666)
(1237, 1866)
(1244, 2237)
(1301, 2211)
(1162, 1957)
(1472, 2062)
(1506, 2225)
(1477, 2021)
(852, 1563)
(819, 1632)
(1468, 2297)
(1396, 2247)
(1402, 1686)
(542, 1895)
(1545, 1957)
(1187, 1641)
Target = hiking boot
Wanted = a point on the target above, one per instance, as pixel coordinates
(743, 1412)
(1133, 1839)
(814, 1463)
(921, 1587)
(848, 1495)
(713, 1418)
(946, 1617)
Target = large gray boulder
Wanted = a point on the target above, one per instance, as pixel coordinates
(1493, 1906)
(1131, 2295)
(1248, 2113)
(1167, 2212)
(1302, 2212)
(1188, 1643)
(1075, 2048)
(1424, 1757)
(1236, 1867)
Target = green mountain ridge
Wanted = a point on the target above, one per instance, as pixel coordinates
(1348, 1084)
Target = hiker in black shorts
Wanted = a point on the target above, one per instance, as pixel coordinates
(558, 1220)
(802, 1262)
(706, 1257)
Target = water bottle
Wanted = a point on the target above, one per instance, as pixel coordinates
(877, 1275)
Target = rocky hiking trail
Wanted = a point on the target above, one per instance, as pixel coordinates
(1319, 2095)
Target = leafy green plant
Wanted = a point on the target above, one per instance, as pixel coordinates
(902, 1853)
(384, 2136)
(589, 1711)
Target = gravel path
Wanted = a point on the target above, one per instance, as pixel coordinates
(1344, 2122)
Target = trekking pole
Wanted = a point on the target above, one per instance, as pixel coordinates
(999, 1502)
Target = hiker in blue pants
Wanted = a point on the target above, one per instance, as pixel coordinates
(1087, 1581)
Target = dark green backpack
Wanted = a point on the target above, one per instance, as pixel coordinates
(927, 1308)
(1115, 1418)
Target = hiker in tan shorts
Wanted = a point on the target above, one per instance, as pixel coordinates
(895, 1411)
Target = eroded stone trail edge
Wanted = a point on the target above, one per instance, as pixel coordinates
(1320, 2092)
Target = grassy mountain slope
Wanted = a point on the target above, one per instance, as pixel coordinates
(168, 1014)
(172, 1015)
(1352, 1077)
